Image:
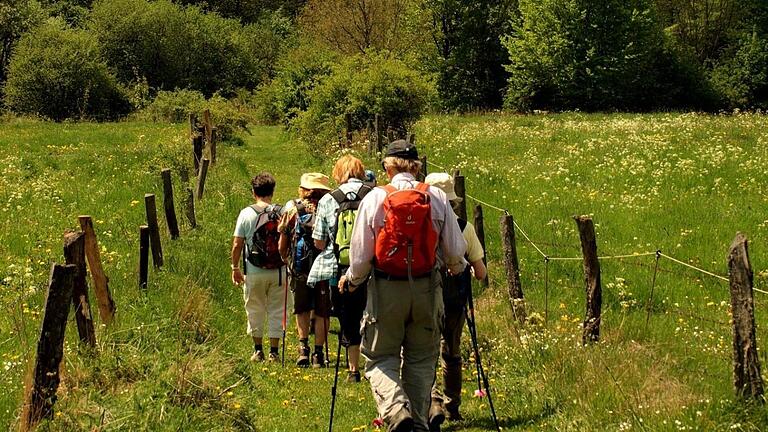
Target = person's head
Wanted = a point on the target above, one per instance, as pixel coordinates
(263, 185)
(370, 178)
(313, 186)
(444, 182)
(348, 167)
(401, 157)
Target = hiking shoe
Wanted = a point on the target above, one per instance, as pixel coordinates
(257, 356)
(317, 360)
(401, 422)
(303, 360)
(436, 416)
(454, 415)
(353, 377)
(273, 357)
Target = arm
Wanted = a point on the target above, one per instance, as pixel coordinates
(320, 244)
(452, 241)
(475, 252)
(237, 252)
(478, 269)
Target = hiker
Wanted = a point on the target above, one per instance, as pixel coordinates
(455, 288)
(256, 263)
(334, 221)
(298, 251)
(396, 237)
(370, 178)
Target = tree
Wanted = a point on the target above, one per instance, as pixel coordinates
(16, 18)
(355, 26)
(467, 36)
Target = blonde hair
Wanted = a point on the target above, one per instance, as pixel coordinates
(402, 165)
(348, 167)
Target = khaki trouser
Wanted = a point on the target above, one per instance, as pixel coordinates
(450, 360)
(401, 334)
(264, 297)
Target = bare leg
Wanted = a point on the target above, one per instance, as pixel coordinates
(354, 357)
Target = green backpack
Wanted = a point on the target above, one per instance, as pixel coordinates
(345, 221)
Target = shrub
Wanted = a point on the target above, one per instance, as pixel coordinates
(229, 115)
(741, 78)
(16, 18)
(577, 54)
(298, 72)
(59, 73)
(363, 85)
(182, 47)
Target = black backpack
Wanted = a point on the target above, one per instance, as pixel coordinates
(265, 252)
(303, 252)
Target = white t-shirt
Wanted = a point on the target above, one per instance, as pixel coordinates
(244, 228)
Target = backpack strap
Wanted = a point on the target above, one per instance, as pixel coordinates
(462, 224)
(339, 195)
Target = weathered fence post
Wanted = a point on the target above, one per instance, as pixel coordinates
(100, 280)
(154, 230)
(143, 256)
(214, 143)
(189, 208)
(423, 173)
(594, 290)
(461, 192)
(746, 364)
(192, 124)
(480, 231)
(201, 179)
(348, 119)
(74, 254)
(512, 266)
(40, 394)
(207, 128)
(168, 204)
(197, 150)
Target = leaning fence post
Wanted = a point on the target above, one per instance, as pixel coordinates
(512, 266)
(197, 150)
(461, 192)
(143, 256)
(154, 230)
(100, 280)
(189, 208)
(40, 394)
(480, 231)
(201, 179)
(168, 205)
(74, 253)
(746, 365)
(594, 289)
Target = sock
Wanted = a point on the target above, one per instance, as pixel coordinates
(273, 350)
(319, 349)
(304, 342)
(257, 347)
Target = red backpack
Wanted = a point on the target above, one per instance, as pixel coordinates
(407, 243)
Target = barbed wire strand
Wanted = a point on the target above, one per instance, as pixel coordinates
(694, 267)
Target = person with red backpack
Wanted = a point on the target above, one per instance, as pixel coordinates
(257, 265)
(404, 233)
(298, 250)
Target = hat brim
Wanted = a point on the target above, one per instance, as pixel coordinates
(314, 185)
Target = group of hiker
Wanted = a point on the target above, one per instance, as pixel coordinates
(393, 263)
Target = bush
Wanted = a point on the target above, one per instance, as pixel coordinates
(575, 54)
(298, 72)
(182, 47)
(363, 85)
(229, 115)
(16, 18)
(741, 78)
(59, 73)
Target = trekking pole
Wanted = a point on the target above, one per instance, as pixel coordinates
(470, 313)
(338, 361)
(285, 312)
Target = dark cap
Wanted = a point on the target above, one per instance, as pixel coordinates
(402, 149)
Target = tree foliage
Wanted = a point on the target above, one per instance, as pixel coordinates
(60, 73)
(16, 18)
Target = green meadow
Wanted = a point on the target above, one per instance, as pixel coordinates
(176, 357)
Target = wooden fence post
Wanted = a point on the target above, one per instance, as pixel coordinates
(461, 192)
(480, 231)
(423, 173)
(594, 289)
(154, 230)
(207, 128)
(168, 204)
(512, 266)
(143, 256)
(192, 124)
(40, 394)
(201, 179)
(74, 253)
(197, 150)
(747, 380)
(214, 143)
(390, 134)
(189, 208)
(100, 280)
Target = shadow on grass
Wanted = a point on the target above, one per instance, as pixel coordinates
(486, 422)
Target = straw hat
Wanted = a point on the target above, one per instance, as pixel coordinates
(314, 181)
(444, 182)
